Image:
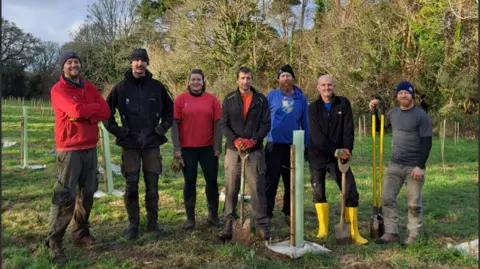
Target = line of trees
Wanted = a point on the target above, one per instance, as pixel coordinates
(368, 46)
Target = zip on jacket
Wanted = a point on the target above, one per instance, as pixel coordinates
(78, 108)
(255, 126)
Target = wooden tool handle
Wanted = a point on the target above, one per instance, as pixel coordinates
(342, 212)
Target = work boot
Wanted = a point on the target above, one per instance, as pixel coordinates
(352, 216)
(57, 254)
(87, 241)
(322, 215)
(387, 238)
(264, 233)
(131, 233)
(409, 240)
(190, 223)
(213, 220)
(226, 234)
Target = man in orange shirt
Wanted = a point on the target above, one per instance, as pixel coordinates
(245, 122)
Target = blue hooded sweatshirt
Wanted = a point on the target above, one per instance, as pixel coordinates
(288, 113)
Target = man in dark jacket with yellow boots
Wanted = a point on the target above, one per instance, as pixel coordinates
(330, 122)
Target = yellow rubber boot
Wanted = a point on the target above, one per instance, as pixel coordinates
(322, 215)
(352, 212)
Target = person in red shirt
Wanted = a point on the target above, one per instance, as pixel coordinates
(78, 107)
(197, 139)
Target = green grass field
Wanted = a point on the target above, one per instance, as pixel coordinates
(450, 200)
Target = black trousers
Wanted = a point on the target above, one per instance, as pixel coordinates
(150, 161)
(277, 159)
(318, 176)
(209, 164)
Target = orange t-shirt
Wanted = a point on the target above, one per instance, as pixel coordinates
(247, 100)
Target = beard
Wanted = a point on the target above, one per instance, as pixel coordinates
(286, 85)
(73, 73)
(405, 102)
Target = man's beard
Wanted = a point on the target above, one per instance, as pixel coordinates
(405, 102)
(286, 85)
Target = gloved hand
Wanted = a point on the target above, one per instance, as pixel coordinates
(248, 144)
(159, 130)
(177, 164)
(305, 155)
(343, 154)
(239, 143)
(121, 132)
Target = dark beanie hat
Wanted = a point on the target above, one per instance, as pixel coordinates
(405, 86)
(68, 54)
(139, 54)
(286, 68)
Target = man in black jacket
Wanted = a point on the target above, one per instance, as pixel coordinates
(141, 102)
(245, 122)
(330, 122)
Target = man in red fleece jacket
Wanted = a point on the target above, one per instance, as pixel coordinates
(78, 108)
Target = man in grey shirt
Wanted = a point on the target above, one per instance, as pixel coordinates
(412, 141)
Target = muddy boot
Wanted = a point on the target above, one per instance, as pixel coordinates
(226, 234)
(264, 233)
(213, 219)
(190, 223)
(387, 238)
(131, 233)
(57, 254)
(86, 241)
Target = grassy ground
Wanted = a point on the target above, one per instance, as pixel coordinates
(450, 200)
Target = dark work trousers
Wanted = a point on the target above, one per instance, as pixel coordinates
(74, 168)
(209, 164)
(254, 178)
(151, 161)
(318, 176)
(277, 159)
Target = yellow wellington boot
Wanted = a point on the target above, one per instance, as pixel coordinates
(322, 215)
(352, 212)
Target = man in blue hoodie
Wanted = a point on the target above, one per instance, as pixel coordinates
(289, 112)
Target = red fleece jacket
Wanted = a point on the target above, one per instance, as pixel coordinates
(77, 113)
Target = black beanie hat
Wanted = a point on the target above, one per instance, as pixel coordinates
(405, 86)
(68, 54)
(286, 68)
(139, 54)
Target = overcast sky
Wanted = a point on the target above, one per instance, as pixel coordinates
(54, 20)
(49, 20)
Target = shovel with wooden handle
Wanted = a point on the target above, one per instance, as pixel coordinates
(342, 230)
(241, 230)
(377, 227)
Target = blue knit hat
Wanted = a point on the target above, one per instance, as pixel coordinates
(405, 86)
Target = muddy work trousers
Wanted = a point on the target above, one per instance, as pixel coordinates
(75, 184)
(397, 176)
(254, 177)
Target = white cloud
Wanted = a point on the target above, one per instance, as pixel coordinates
(49, 20)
